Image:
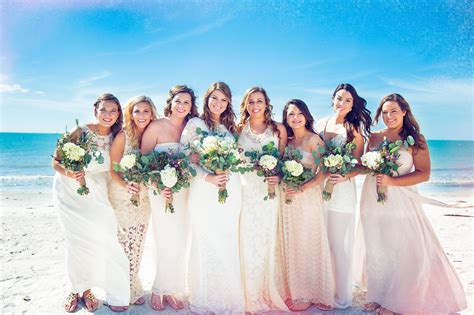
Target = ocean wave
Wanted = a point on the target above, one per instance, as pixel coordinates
(454, 182)
(25, 177)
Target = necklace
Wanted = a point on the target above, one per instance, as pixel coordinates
(257, 137)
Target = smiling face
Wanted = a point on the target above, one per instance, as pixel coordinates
(295, 117)
(181, 105)
(256, 105)
(142, 115)
(217, 103)
(392, 115)
(107, 113)
(342, 102)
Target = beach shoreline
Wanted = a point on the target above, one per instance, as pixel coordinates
(33, 268)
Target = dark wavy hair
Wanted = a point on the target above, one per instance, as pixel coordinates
(244, 114)
(117, 126)
(175, 90)
(228, 116)
(309, 125)
(410, 125)
(359, 115)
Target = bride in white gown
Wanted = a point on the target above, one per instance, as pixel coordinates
(350, 123)
(170, 230)
(214, 277)
(258, 220)
(94, 256)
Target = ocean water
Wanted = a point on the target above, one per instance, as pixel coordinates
(25, 162)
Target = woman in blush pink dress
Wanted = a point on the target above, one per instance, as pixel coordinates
(407, 269)
(307, 271)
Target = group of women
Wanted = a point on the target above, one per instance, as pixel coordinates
(251, 254)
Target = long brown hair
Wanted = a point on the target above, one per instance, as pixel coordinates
(244, 114)
(359, 114)
(117, 126)
(133, 135)
(309, 125)
(175, 90)
(410, 125)
(228, 116)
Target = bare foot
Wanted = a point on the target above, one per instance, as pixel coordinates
(174, 302)
(90, 301)
(70, 305)
(157, 302)
(370, 307)
(118, 308)
(323, 307)
(384, 311)
(139, 301)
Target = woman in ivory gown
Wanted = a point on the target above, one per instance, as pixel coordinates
(94, 257)
(407, 269)
(132, 220)
(351, 122)
(215, 284)
(304, 245)
(258, 217)
(170, 230)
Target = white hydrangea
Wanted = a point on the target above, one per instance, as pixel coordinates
(210, 143)
(334, 161)
(169, 177)
(226, 144)
(268, 162)
(295, 168)
(73, 151)
(128, 161)
(371, 159)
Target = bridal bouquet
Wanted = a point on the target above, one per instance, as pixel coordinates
(168, 170)
(336, 160)
(219, 154)
(132, 169)
(267, 163)
(77, 152)
(294, 173)
(384, 161)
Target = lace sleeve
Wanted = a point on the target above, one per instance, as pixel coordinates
(188, 136)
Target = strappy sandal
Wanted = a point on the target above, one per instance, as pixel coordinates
(118, 309)
(90, 301)
(70, 304)
(383, 311)
(157, 307)
(139, 301)
(174, 302)
(370, 307)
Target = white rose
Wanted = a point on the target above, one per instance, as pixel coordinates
(295, 168)
(210, 143)
(73, 152)
(128, 161)
(371, 159)
(268, 162)
(168, 176)
(333, 161)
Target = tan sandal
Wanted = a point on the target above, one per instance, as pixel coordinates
(157, 307)
(90, 301)
(174, 302)
(70, 304)
(370, 307)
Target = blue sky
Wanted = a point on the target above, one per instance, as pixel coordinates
(58, 56)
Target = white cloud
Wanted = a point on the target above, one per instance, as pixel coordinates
(12, 88)
(40, 93)
(104, 74)
(3, 77)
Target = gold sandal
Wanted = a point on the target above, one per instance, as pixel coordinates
(70, 304)
(89, 297)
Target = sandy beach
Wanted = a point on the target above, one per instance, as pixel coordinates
(33, 278)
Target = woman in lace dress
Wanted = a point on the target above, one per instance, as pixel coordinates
(351, 122)
(407, 269)
(215, 284)
(94, 256)
(132, 220)
(304, 246)
(258, 217)
(170, 230)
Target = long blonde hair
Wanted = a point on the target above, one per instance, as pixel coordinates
(228, 116)
(244, 114)
(131, 130)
